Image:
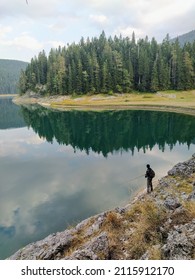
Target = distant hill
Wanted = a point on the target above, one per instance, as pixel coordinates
(9, 75)
(185, 38)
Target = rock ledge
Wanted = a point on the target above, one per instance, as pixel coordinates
(160, 225)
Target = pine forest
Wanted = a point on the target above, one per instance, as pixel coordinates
(112, 65)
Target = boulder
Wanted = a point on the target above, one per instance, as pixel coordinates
(180, 243)
(45, 249)
(185, 168)
(172, 203)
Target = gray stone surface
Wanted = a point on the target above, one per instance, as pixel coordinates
(180, 243)
(172, 203)
(185, 168)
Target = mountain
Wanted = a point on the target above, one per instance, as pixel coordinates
(9, 75)
(185, 38)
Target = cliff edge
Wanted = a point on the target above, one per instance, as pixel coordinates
(160, 225)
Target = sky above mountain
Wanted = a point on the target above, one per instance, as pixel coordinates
(28, 27)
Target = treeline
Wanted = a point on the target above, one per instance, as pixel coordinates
(106, 65)
(9, 75)
(111, 131)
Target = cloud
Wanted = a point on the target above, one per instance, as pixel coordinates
(145, 17)
(64, 22)
(155, 14)
(99, 19)
(55, 44)
(17, 45)
(15, 142)
(23, 42)
(4, 30)
(54, 21)
(35, 8)
(26, 41)
(128, 31)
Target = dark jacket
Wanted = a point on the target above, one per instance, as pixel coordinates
(149, 173)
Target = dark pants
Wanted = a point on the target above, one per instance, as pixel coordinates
(149, 185)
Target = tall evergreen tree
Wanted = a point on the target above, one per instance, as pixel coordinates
(102, 65)
(188, 72)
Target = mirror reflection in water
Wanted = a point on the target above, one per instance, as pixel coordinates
(58, 168)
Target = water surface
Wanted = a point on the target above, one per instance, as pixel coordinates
(57, 168)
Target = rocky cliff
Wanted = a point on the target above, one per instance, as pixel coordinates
(159, 225)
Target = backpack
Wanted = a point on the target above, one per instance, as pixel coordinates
(151, 173)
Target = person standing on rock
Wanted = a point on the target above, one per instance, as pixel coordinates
(150, 174)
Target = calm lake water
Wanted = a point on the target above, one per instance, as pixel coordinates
(57, 168)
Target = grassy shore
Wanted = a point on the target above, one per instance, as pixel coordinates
(175, 101)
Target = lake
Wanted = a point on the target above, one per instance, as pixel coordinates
(60, 167)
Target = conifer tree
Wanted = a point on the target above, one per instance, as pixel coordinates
(102, 65)
(188, 72)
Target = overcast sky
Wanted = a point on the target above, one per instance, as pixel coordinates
(26, 29)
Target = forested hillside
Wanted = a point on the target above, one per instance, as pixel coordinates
(106, 65)
(185, 38)
(9, 75)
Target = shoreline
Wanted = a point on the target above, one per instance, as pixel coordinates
(162, 221)
(8, 95)
(164, 102)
